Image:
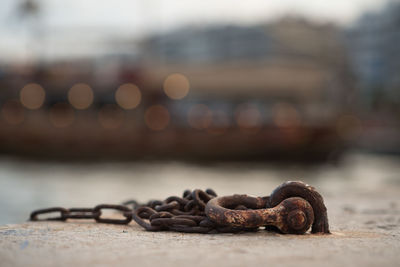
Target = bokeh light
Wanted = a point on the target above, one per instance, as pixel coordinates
(286, 115)
(32, 96)
(61, 115)
(111, 116)
(157, 117)
(128, 96)
(176, 86)
(80, 96)
(200, 117)
(13, 112)
(248, 117)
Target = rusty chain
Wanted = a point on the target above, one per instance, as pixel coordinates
(293, 208)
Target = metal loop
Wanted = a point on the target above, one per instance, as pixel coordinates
(168, 206)
(81, 213)
(195, 218)
(63, 214)
(143, 213)
(189, 206)
(126, 212)
(300, 189)
(200, 198)
(162, 214)
(153, 203)
(178, 212)
(182, 201)
(211, 192)
(187, 194)
(131, 203)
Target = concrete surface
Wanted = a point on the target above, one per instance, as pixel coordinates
(364, 214)
(362, 236)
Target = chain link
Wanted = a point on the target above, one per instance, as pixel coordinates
(182, 214)
(63, 214)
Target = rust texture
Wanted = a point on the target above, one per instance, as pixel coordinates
(291, 216)
(291, 208)
(307, 192)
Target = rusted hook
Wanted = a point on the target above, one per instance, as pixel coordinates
(293, 215)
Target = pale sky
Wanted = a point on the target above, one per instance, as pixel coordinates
(133, 18)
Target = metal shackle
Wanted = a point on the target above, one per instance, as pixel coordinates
(292, 216)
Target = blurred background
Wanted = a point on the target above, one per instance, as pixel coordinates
(120, 95)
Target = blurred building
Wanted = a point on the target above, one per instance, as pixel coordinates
(291, 66)
(280, 90)
(373, 43)
(375, 52)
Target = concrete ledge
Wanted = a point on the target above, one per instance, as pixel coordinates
(87, 243)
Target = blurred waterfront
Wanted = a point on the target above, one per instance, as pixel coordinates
(291, 86)
(28, 185)
(106, 101)
(100, 105)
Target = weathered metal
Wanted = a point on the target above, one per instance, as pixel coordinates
(307, 192)
(291, 216)
(292, 208)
